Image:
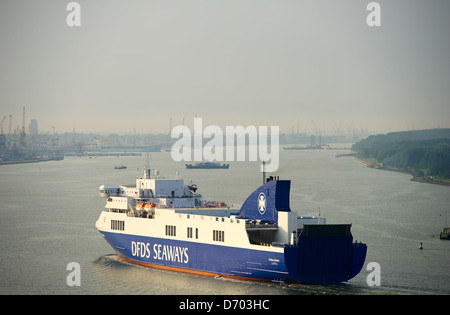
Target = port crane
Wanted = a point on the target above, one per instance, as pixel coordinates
(1, 124)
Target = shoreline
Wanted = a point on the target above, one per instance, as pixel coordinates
(23, 161)
(421, 179)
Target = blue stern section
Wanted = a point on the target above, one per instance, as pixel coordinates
(325, 254)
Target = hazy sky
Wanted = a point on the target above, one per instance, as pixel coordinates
(134, 64)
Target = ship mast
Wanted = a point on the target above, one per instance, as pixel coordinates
(264, 172)
(147, 167)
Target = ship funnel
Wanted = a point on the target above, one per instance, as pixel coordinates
(266, 201)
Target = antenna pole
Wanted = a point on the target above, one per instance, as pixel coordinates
(147, 174)
(264, 172)
(318, 218)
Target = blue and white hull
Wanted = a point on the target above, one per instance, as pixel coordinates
(201, 259)
(284, 264)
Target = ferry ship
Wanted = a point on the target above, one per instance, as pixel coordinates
(165, 223)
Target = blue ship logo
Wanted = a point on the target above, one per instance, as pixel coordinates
(262, 203)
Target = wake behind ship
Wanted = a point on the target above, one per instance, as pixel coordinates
(163, 223)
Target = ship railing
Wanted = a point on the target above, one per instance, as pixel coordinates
(259, 225)
(272, 244)
(214, 204)
(141, 214)
(359, 244)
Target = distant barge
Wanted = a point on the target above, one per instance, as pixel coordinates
(207, 165)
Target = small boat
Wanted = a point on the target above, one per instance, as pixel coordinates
(120, 167)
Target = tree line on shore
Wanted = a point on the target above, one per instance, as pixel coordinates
(423, 152)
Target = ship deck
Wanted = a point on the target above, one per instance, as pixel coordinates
(214, 212)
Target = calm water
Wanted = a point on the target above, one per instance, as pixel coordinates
(48, 211)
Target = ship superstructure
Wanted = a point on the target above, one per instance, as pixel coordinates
(165, 223)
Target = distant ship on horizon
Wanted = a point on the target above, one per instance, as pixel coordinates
(207, 165)
(309, 147)
(147, 148)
